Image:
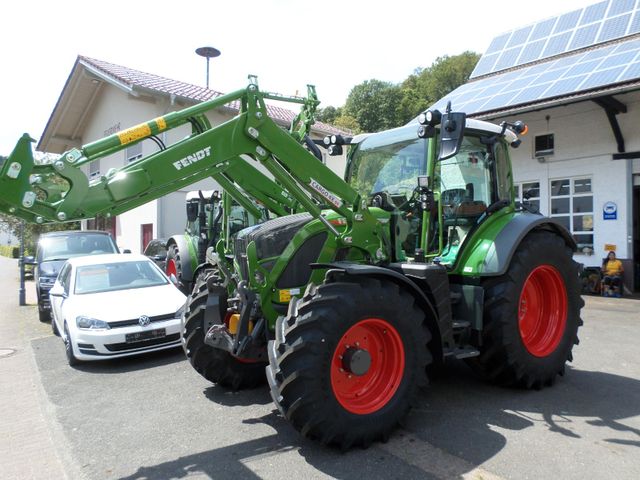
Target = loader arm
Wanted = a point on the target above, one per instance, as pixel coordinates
(62, 192)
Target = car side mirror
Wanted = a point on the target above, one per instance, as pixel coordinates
(29, 260)
(57, 291)
(126, 250)
(161, 257)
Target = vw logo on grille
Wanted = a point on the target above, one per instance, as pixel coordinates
(144, 321)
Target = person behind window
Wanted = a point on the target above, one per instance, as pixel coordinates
(612, 272)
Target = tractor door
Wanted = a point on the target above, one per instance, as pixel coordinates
(470, 184)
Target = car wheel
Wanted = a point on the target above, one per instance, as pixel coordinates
(68, 347)
(44, 315)
(54, 327)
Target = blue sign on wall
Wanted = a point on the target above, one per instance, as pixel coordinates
(610, 211)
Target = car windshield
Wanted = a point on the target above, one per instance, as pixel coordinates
(390, 162)
(117, 276)
(62, 247)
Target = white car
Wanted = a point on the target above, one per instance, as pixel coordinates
(110, 306)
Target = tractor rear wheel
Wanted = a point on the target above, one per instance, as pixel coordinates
(174, 267)
(216, 365)
(348, 360)
(531, 315)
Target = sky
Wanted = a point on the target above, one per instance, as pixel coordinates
(331, 44)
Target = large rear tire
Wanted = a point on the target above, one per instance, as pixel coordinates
(531, 315)
(348, 360)
(216, 365)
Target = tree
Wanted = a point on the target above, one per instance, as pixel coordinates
(426, 86)
(328, 114)
(374, 105)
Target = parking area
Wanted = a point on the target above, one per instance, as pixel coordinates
(153, 417)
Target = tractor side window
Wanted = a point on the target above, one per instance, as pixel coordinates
(465, 186)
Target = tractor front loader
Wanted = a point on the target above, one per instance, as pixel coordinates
(420, 254)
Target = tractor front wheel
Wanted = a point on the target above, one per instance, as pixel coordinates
(216, 365)
(531, 315)
(348, 360)
(174, 267)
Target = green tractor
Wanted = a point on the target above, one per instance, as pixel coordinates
(359, 284)
(209, 213)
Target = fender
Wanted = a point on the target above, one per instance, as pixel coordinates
(185, 255)
(438, 313)
(498, 257)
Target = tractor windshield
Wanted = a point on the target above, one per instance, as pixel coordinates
(388, 162)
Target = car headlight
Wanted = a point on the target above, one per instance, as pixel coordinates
(180, 312)
(89, 323)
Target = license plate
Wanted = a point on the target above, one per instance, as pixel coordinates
(147, 335)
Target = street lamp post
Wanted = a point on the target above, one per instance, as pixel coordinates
(208, 53)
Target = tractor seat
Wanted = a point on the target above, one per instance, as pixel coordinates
(465, 213)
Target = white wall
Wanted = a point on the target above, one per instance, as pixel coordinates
(584, 144)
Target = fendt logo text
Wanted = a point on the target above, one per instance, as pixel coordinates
(193, 158)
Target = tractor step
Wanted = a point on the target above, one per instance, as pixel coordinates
(463, 352)
(460, 324)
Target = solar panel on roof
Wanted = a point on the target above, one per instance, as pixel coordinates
(635, 23)
(620, 6)
(519, 36)
(593, 13)
(601, 22)
(567, 21)
(614, 28)
(581, 71)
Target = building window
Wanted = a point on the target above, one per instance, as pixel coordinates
(94, 170)
(532, 192)
(572, 206)
(543, 145)
(133, 153)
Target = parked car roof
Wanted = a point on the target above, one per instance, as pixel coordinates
(67, 232)
(107, 258)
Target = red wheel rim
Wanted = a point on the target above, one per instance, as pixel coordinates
(542, 312)
(369, 392)
(171, 268)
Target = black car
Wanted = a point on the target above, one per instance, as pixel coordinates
(54, 249)
(156, 250)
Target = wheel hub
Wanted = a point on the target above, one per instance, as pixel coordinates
(356, 361)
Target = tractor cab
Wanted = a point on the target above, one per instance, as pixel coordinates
(437, 188)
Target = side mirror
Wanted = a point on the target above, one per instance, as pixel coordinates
(192, 211)
(29, 260)
(451, 134)
(57, 291)
(160, 257)
(126, 250)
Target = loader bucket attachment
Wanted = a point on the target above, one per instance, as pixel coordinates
(15, 188)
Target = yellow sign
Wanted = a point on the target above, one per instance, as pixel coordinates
(609, 247)
(134, 133)
(161, 123)
(285, 295)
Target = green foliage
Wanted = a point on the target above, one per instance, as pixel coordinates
(328, 114)
(32, 231)
(374, 105)
(427, 86)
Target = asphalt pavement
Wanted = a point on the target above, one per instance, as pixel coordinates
(154, 417)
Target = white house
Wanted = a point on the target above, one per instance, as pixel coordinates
(100, 99)
(574, 80)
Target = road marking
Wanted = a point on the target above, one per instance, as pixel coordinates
(432, 460)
